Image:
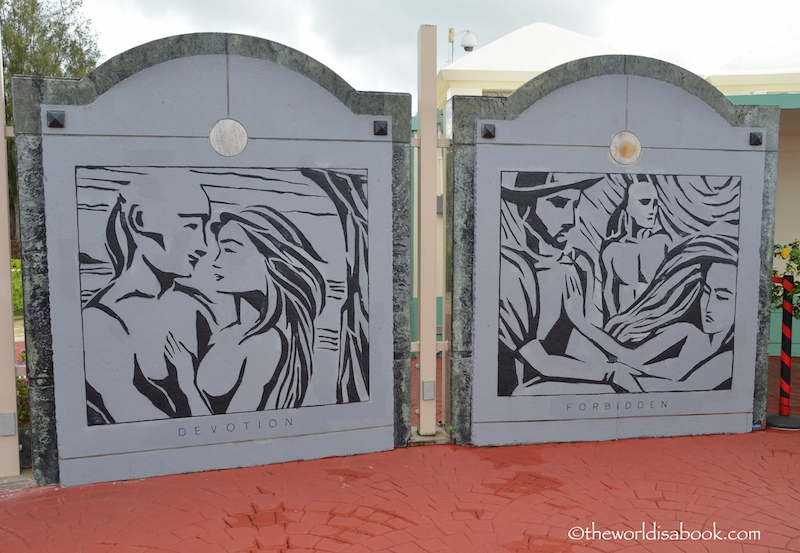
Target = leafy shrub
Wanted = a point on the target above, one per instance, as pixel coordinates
(23, 414)
(790, 254)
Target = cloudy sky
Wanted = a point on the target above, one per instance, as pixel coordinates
(372, 43)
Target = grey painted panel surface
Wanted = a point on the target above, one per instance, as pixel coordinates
(149, 103)
(664, 116)
(723, 423)
(221, 456)
(8, 424)
(297, 108)
(570, 116)
(612, 429)
(543, 431)
(274, 101)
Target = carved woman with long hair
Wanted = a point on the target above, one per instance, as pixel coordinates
(680, 330)
(261, 356)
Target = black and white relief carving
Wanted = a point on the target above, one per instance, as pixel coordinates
(210, 290)
(616, 282)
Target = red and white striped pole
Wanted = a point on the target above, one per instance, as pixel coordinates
(784, 419)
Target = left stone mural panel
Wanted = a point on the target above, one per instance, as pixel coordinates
(210, 212)
(221, 298)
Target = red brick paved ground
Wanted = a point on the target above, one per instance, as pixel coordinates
(773, 385)
(440, 498)
(436, 498)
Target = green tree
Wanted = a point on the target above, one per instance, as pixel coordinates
(43, 38)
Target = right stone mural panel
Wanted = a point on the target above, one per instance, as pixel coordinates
(621, 224)
(636, 269)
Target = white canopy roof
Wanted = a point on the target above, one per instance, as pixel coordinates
(771, 68)
(778, 54)
(764, 61)
(517, 57)
(536, 47)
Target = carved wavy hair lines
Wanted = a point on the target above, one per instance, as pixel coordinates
(348, 195)
(295, 295)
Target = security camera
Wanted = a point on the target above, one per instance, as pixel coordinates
(469, 42)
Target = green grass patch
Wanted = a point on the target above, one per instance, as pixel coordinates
(16, 285)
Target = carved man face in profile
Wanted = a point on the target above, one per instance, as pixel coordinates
(168, 220)
(547, 202)
(553, 215)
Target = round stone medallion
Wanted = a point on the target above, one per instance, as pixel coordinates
(228, 137)
(625, 148)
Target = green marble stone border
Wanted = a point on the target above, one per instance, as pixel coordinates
(30, 93)
(467, 110)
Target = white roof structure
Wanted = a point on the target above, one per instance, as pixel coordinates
(769, 69)
(508, 62)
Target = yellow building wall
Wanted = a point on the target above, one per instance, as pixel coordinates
(756, 84)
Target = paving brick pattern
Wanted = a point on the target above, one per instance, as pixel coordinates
(774, 385)
(437, 498)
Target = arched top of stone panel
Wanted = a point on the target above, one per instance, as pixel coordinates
(479, 108)
(32, 92)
